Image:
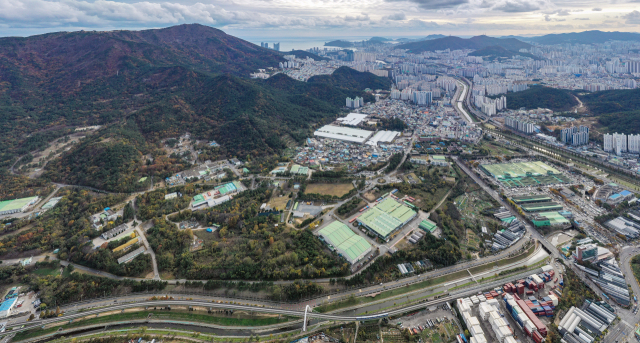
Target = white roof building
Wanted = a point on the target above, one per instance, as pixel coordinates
(353, 119)
(344, 133)
(383, 136)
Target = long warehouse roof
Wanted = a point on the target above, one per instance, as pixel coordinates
(350, 245)
(383, 136)
(343, 133)
(386, 216)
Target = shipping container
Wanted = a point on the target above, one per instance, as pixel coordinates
(537, 337)
(534, 319)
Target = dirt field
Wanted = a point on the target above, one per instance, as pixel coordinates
(370, 197)
(337, 189)
(54, 150)
(279, 202)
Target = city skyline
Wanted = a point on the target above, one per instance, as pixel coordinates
(324, 18)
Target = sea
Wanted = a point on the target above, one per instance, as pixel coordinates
(301, 43)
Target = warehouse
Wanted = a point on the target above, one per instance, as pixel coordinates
(428, 226)
(6, 307)
(17, 205)
(518, 169)
(343, 133)
(524, 174)
(541, 207)
(218, 195)
(353, 119)
(530, 199)
(551, 218)
(349, 245)
(387, 217)
(383, 137)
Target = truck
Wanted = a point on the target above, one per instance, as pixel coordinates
(606, 296)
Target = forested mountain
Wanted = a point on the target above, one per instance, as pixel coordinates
(246, 117)
(151, 85)
(304, 54)
(457, 43)
(585, 37)
(542, 97)
(346, 78)
(76, 78)
(618, 110)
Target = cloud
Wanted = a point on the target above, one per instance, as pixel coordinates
(515, 6)
(417, 23)
(580, 18)
(597, 9)
(361, 17)
(632, 18)
(396, 16)
(559, 12)
(434, 4)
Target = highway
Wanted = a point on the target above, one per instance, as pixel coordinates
(119, 305)
(463, 94)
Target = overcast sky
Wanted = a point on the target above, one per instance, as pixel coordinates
(325, 18)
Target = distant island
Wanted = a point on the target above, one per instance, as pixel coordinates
(339, 43)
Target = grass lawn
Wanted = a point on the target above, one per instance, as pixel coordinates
(337, 189)
(496, 149)
(503, 262)
(206, 236)
(47, 271)
(279, 202)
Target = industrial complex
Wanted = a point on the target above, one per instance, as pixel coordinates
(220, 194)
(386, 217)
(524, 174)
(349, 245)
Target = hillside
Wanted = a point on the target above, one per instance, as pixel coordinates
(345, 77)
(618, 110)
(69, 79)
(246, 117)
(457, 43)
(146, 86)
(541, 97)
(586, 37)
(495, 52)
(304, 54)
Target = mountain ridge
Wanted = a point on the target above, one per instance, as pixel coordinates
(457, 43)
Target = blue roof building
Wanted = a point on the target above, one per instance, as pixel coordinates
(6, 307)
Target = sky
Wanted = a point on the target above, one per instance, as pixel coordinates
(266, 19)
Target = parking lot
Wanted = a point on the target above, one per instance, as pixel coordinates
(430, 318)
(25, 305)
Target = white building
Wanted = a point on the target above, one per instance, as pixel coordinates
(633, 144)
(343, 133)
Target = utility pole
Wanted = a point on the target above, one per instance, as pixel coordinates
(304, 326)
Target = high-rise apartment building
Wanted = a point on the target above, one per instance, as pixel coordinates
(633, 144)
(575, 135)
